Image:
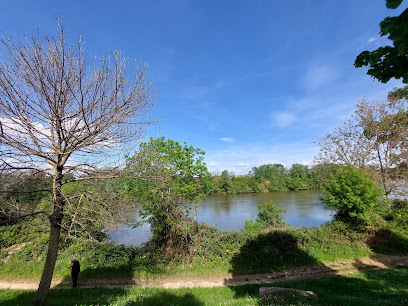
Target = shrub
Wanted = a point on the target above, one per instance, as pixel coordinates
(354, 196)
(270, 215)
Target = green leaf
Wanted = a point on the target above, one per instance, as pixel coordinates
(393, 4)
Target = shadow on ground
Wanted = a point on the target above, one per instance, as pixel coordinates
(273, 251)
(373, 287)
(117, 276)
(101, 277)
(98, 296)
(277, 254)
(386, 241)
(273, 254)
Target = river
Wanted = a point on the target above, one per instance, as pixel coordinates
(229, 212)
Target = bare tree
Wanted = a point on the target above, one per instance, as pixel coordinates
(63, 117)
(375, 139)
(346, 144)
(385, 125)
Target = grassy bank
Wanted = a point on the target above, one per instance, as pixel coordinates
(213, 252)
(382, 287)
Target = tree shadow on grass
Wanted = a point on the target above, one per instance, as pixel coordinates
(98, 296)
(166, 298)
(118, 276)
(271, 257)
(270, 252)
(373, 287)
(16, 297)
(277, 254)
(386, 241)
(101, 277)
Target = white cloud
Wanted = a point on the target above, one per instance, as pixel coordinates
(283, 119)
(377, 41)
(241, 159)
(20, 131)
(372, 39)
(227, 139)
(214, 164)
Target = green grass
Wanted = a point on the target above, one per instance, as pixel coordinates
(380, 287)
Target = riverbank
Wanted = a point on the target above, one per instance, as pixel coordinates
(212, 252)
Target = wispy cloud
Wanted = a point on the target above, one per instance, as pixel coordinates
(378, 41)
(372, 39)
(227, 139)
(283, 119)
(319, 75)
(195, 92)
(241, 159)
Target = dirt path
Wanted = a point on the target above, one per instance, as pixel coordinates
(315, 271)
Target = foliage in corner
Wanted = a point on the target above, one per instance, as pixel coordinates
(387, 62)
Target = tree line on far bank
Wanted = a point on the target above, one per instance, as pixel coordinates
(265, 178)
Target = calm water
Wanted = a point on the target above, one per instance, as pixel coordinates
(229, 212)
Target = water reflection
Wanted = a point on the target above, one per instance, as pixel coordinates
(229, 212)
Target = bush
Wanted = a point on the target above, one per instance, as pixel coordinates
(354, 196)
(270, 215)
(399, 214)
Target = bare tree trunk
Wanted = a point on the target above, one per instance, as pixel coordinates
(49, 265)
(55, 232)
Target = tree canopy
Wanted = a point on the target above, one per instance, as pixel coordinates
(181, 178)
(389, 62)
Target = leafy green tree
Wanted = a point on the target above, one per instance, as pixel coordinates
(354, 196)
(226, 182)
(240, 184)
(389, 61)
(398, 93)
(301, 177)
(180, 171)
(270, 215)
(275, 176)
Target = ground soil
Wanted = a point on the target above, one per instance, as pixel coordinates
(299, 273)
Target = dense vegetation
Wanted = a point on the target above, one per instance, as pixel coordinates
(265, 178)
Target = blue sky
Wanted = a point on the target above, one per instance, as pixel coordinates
(248, 82)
